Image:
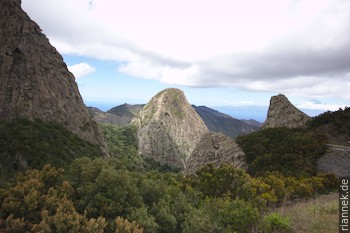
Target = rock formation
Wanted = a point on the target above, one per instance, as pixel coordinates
(34, 81)
(215, 148)
(336, 160)
(169, 128)
(282, 113)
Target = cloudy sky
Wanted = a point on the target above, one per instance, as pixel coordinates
(220, 52)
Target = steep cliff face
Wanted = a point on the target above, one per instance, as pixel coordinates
(215, 148)
(34, 81)
(282, 113)
(169, 128)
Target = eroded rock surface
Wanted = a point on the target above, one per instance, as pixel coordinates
(169, 128)
(34, 80)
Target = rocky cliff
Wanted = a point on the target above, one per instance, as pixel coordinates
(282, 113)
(215, 148)
(169, 128)
(34, 81)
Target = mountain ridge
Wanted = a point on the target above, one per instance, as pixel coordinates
(220, 122)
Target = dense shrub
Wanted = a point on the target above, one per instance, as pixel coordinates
(32, 144)
(292, 152)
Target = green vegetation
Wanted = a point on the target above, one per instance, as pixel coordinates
(121, 140)
(26, 144)
(276, 223)
(292, 152)
(318, 215)
(104, 195)
(127, 193)
(122, 144)
(334, 125)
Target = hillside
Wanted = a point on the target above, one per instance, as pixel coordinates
(220, 122)
(127, 110)
(32, 144)
(107, 118)
(334, 125)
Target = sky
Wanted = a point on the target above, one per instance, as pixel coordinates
(219, 52)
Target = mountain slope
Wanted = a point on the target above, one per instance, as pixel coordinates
(219, 122)
(169, 128)
(125, 112)
(35, 82)
(106, 118)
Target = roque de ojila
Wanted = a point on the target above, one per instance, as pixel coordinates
(215, 148)
(35, 82)
(282, 113)
(169, 128)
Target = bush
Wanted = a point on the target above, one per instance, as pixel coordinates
(292, 152)
(25, 145)
(275, 223)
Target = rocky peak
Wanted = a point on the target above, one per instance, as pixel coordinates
(216, 148)
(169, 128)
(282, 113)
(35, 82)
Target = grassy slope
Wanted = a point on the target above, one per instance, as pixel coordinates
(318, 215)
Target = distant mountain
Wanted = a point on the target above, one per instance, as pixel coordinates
(220, 122)
(120, 115)
(126, 111)
(169, 128)
(283, 113)
(106, 118)
(252, 122)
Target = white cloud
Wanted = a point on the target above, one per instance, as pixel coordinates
(286, 46)
(316, 105)
(81, 69)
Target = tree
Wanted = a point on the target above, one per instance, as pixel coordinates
(40, 202)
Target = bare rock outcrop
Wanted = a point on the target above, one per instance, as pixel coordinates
(34, 80)
(169, 128)
(336, 160)
(215, 148)
(282, 113)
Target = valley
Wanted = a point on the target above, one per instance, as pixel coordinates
(165, 166)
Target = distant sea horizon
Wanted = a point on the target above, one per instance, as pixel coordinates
(252, 112)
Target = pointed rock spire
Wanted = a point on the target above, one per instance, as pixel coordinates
(282, 113)
(169, 128)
